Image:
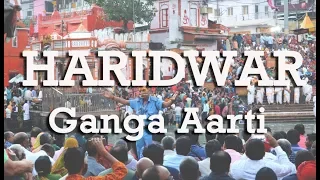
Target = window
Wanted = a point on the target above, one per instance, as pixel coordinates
(230, 11)
(277, 2)
(29, 13)
(244, 10)
(164, 17)
(15, 41)
(217, 12)
(193, 17)
(266, 10)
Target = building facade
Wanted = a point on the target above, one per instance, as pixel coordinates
(297, 10)
(180, 25)
(250, 16)
(13, 60)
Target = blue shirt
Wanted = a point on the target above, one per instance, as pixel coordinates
(291, 177)
(94, 168)
(152, 107)
(296, 148)
(173, 161)
(198, 152)
(7, 144)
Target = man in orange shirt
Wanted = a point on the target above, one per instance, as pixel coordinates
(74, 163)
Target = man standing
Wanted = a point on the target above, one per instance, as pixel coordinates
(296, 95)
(286, 98)
(26, 116)
(270, 95)
(307, 91)
(278, 91)
(144, 105)
(251, 91)
(260, 95)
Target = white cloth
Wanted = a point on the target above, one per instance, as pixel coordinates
(314, 106)
(307, 91)
(28, 95)
(26, 115)
(34, 156)
(5, 94)
(8, 113)
(296, 95)
(270, 94)
(286, 95)
(204, 167)
(40, 95)
(251, 90)
(282, 167)
(260, 95)
(169, 152)
(278, 91)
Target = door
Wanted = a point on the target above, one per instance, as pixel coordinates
(193, 17)
(256, 11)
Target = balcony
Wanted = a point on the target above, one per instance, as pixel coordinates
(245, 19)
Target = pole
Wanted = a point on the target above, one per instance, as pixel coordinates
(133, 18)
(286, 13)
(297, 20)
(218, 12)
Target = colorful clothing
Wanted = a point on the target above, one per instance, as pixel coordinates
(119, 172)
(58, 166)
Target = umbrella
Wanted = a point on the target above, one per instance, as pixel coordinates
(17, 79)
(307, 23)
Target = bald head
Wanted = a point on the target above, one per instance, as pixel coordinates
(143, 164)
(22, 139)
(156, 173)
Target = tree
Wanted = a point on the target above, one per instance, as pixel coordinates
(138, 11)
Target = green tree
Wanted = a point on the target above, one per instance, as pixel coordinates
(138, 11)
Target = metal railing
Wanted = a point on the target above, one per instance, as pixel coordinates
(245, 17)
(83, 102)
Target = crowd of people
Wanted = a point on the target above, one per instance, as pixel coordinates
(276, 155)
(270, 43)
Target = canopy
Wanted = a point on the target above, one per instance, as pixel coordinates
(307, 23)
(17, 79)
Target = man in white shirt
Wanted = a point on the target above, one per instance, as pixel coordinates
(211, 147)
(314, 106)
(247, 168)
(28, 95)
(26, 116)
(183, 146)
(178, 114)
(168, 145)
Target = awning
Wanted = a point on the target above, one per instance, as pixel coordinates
(17, 79)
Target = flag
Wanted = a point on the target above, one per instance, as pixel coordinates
(271, 5)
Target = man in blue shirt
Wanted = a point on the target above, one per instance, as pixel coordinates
(144, 105)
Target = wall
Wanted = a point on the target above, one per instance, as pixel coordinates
(25, 8)
(174, 21)
(263, 17)
(13, 61)
(108, 33)
(190, 10)
(38, 8)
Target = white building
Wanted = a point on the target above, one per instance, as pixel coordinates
(183, 25)
(244, 16)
